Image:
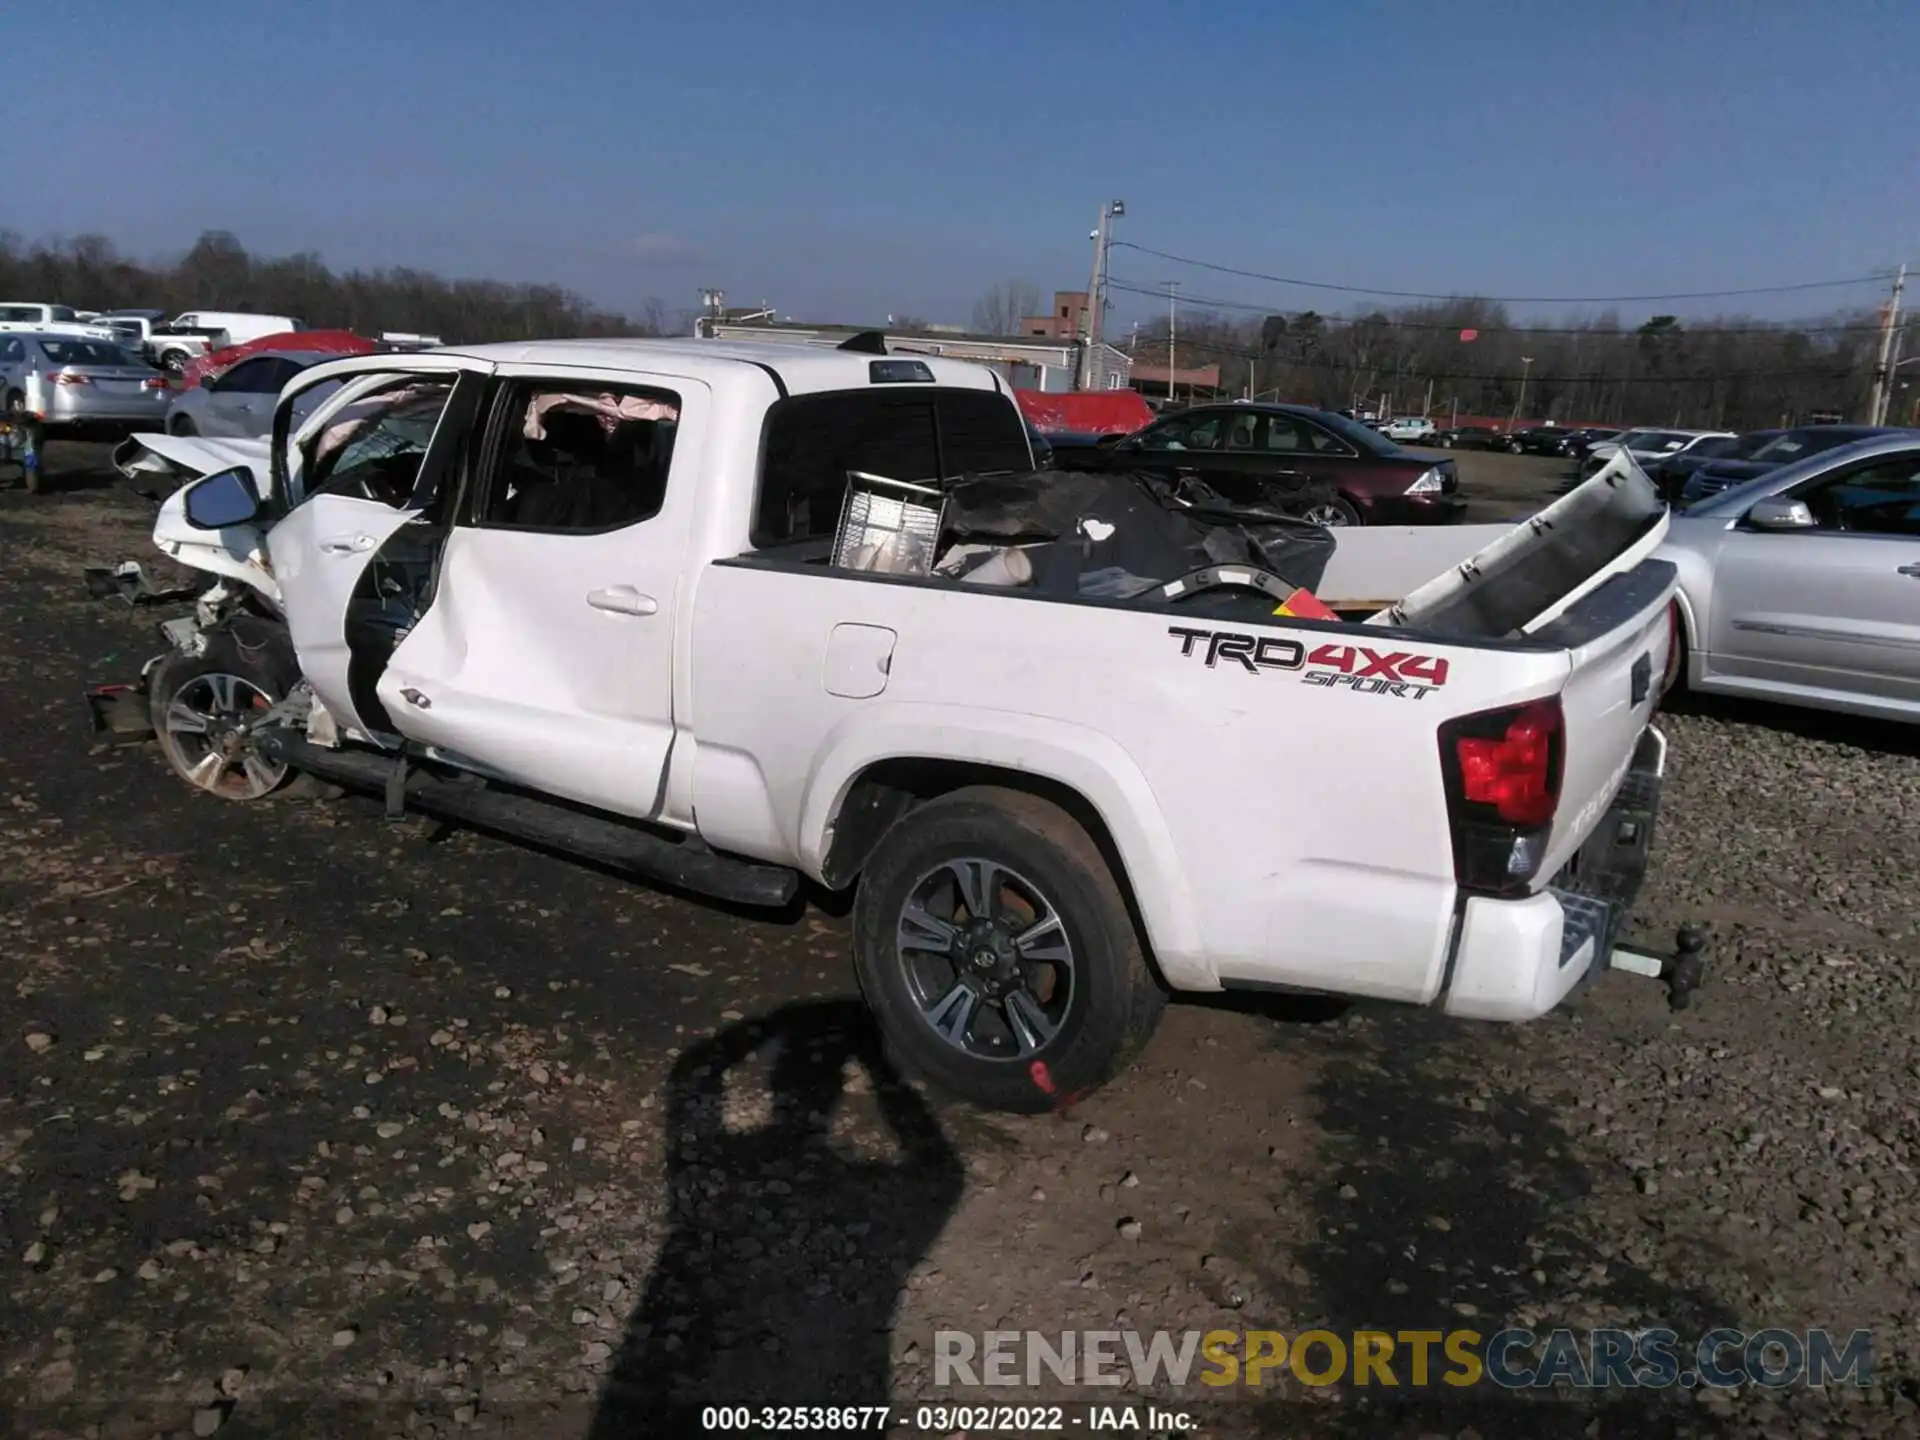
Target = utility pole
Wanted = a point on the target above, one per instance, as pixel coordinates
(714, 299)
(1173, 301)
(1526, 368)
(1110, 210)
(1882, 372)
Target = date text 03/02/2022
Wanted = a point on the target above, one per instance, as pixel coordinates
(944, 1419)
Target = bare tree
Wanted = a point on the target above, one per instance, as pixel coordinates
(1001, 309)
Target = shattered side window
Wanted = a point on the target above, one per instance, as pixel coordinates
(374, 448)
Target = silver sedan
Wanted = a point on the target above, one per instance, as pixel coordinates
(1803, 586)
(83, 382)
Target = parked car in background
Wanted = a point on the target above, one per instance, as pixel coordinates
(1468, 437)
(1784, 448)
(1803, 586)
(193, 333)
(1536, 439)
(1314, 463)
(82, 381)
(39, 319)
(1647, 445)
(1409, 428)
(238, 403)
(1671, 472)
(131, 328)
(1574, 444)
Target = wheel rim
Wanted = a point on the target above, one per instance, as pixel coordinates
(209, 736)
(1327, 513)
(986, 958)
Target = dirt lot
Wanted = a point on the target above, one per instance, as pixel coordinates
(313, 1124)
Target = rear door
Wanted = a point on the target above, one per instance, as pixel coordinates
(546, 652)
(1265, 455)
(363, 486)
(1835, 608)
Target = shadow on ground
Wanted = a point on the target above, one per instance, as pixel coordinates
(794, 1220)
(1442, 1207)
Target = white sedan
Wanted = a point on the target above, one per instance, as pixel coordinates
(238, 403)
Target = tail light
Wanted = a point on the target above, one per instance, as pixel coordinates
(1501, 770)
(1673, 652)
(156, 382)
(67, 377)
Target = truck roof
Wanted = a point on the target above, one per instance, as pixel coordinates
(796, 369)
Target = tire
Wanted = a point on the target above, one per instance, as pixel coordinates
(222, 686)
(1339, 511)
(1045, 868)
(174, 362)
(16, 404)
(182, 425)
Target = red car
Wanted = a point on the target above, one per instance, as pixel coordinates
(1269, 454)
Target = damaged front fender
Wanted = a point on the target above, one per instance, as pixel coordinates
(237, 553)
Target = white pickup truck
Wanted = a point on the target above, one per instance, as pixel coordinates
(594, 594)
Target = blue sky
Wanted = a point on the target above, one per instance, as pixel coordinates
(845, 160)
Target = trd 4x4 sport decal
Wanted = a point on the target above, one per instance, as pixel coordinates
(1402, 674)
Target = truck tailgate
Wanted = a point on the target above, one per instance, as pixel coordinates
(1617, 640)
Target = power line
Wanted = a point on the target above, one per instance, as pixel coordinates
(1783, 327)
(1502, 299)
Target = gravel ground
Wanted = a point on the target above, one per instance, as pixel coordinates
(313, 1124)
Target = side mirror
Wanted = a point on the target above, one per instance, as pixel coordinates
(1781, 515)
(222, 499)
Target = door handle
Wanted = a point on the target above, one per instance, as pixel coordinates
(622, 600)
(346, 544)
(416, 699)
(1913, 570)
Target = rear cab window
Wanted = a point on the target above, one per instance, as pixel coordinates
(811, 442)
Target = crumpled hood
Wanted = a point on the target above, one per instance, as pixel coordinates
(188, 457)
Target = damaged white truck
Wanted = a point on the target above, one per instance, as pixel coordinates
(1079, 739)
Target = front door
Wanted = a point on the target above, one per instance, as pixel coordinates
(1832, 608)
(354, 554)
(546, 653)
(1188, 446)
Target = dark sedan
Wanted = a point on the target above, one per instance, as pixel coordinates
(1537, 440)
(1784, 448)
(1574, 444)
(1313, 463)
(1469, 437)
(1671, 474)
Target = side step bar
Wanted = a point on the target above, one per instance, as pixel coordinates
(686, 865)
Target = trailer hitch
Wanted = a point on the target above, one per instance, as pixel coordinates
(1684, 968)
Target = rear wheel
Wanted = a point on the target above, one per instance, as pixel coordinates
(204, 708)
(997, 953)
(174, 362)
(16, 404)
(1337, 511)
